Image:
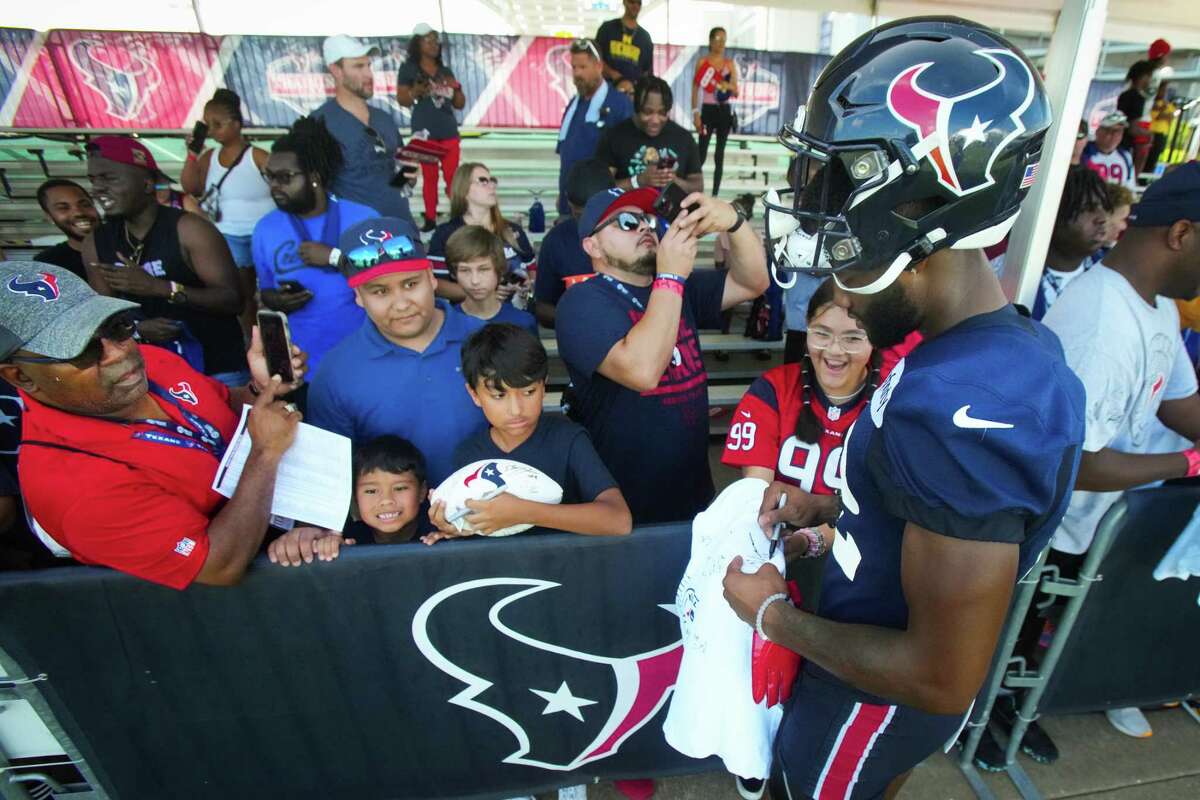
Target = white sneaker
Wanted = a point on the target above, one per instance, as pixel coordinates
(573, 792)
(1130, 721)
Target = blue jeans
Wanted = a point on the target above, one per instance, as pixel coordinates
(239, 246)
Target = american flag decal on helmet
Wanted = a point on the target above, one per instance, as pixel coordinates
(1030, 176)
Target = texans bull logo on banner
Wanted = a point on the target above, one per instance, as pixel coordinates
(126, 75)
(564, 708)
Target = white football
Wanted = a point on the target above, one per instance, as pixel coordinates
(483, 480)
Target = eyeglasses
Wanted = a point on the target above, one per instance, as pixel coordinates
(395, 249)
(585, 46)
(116, 329)
(851, 342)
(486, 179)
(282, 177)
(628, 221)
(380, 144)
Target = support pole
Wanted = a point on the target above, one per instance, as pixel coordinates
(1070, 65)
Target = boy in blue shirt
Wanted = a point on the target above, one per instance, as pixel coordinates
(505, 368)
(475, 258)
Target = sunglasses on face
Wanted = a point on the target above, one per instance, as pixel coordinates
(397, 248)
(117, 330)
(628, 221)
(484, 180)
(585, 46)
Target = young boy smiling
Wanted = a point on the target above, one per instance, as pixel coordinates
(505, 369)
(475, 257)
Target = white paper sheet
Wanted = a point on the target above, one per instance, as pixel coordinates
(313, 484)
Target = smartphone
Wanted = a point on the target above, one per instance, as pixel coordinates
(667, 163)
(199, 134)
(292, 287)
(277, 343)
(667, 206)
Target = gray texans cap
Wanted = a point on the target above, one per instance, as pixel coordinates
(49, 310)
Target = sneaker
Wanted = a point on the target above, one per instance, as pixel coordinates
(430, 224)
(636, 789)
(1036, 744)
(1130, 721)
(578, 792)
(750, 788)
(989, 756)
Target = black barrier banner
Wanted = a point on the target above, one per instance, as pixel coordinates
(470, 669)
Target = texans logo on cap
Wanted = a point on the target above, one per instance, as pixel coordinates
(564, 708)
(371, 235)
(949, 127)
(44, 286)
(488, 472)
(183, 391)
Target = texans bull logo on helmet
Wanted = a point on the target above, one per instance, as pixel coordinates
(44, 286)
(951, 129)
(564, 707)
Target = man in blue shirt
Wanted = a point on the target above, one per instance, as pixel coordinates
(561, 260)
(368, 135)
(295, 247)
(595, 107)
(399, 373)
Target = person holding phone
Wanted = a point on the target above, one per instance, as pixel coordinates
(227, 181)
(717, 80)
(295, 245)
(649, 149)
(121, 442)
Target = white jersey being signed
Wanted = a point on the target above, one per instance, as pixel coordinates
(712, 711)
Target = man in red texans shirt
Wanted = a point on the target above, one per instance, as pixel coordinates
(120, 442)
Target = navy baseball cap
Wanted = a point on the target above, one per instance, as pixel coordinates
(1174, 196)
(601, 205)
(381, 246)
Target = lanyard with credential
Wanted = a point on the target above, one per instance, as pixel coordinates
(197, 434)
(331, 228)
(621, 290)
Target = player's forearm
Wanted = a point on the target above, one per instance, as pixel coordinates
(604, 516)
(880, 661)
(236, 533)
(1110, 470)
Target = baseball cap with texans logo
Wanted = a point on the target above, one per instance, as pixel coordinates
(124, 150)
(603, 205)
(381, 246)
(49, 310)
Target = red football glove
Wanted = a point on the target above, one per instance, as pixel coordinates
(773, 667)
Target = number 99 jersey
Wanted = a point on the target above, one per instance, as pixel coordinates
(762, 432)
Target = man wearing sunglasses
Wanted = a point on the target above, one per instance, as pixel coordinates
(121, 442)
(368, 135)
(630, 340)
(594, 108)
(399, 372)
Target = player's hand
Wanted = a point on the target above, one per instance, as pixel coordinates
(773, 667)
(272, 424)
(707, 214)
(315, 254)
(502, 511)
(302, 545)
(132, 279)
(677, 249)
(807, 542)
(745, 592)
(260, 376)
(159, 329)
(287, 302)
(801, 510)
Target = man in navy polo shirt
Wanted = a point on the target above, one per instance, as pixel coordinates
(399, 373)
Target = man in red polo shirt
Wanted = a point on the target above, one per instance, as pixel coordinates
(121, 442)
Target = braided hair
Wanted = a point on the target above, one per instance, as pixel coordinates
(808, 426)
(314, 146)
(1083, 191)
(229, 102)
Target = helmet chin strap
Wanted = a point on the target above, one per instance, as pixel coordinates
(885, 280)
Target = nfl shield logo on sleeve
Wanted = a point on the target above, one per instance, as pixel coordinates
(185, 546)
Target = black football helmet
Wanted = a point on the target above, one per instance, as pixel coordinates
(922, 134)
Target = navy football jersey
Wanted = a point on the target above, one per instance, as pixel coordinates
(976, 435)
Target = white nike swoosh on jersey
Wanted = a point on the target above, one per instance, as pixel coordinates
(964, 420)
(746, 414)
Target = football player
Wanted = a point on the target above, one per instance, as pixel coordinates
(917, 146)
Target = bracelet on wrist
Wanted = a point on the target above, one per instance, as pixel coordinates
(335, 257)
(741, 218)
(1193, 461)
(762, 611)
(669, 285)
(671, 276)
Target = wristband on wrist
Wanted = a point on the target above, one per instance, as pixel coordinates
(741, 218)
(668, 284)
(633, 181)
(191, 156)
(335, 257)
(762, 611)
(1193, 459)
(671, 276)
